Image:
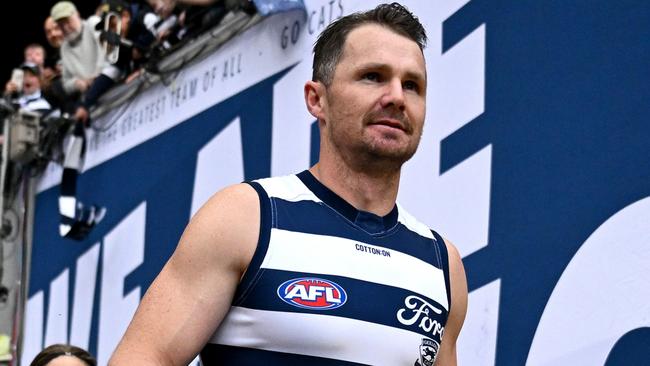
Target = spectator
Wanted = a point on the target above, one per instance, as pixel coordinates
(52, 81)
(134, 36)
(199, 18)
(35, 53)
(143, 36)
(131, 43)
(164, 24)
(54, 36)
(180, 20)
(31, 98)
(82, 56)
(63, 355)
(53, 33)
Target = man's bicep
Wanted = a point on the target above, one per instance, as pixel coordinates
(458, 285)
(189, 298)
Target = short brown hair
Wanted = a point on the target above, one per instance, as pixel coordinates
(57, 350)
(329, 46)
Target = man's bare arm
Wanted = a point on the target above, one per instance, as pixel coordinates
(194, 290)
(458, 285)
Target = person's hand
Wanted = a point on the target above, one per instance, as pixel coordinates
(82, 84)
(162, 35)
(10, 87)
(81, 114)
(134, 75)
(48, 75)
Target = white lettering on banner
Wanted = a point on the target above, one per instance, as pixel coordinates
(481, 325)
(420, 307)
(84, 291)
(56, 330)
(123, 252)
(57, 319)
(602, 294)
(462, 193)
(33, 329)
(219, 164)
(291, 136)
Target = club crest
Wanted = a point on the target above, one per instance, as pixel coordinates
(428, 352)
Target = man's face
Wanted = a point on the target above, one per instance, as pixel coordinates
(375, 106)
(53, 33)
(35, 55)
(31, 83)
(71, 26)
(123, 21)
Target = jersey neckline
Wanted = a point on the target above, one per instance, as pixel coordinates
(374, 224)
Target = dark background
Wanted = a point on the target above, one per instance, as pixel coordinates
(26, 28)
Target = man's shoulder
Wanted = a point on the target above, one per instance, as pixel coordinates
(276, 179)
(230, 217)
(251, 191)
(91, 22)
(412, 223)
(241, 194)
(287, 187)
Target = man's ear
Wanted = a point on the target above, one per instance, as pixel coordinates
(315, 99)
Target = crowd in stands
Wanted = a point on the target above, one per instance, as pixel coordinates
(88, 57)
(114, 45)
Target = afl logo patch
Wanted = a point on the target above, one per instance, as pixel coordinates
(312, 293)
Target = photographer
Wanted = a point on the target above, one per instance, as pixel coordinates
(29, 96)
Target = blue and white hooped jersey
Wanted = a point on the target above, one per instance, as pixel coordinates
(331, 285)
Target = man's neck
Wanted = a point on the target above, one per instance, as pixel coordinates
(33, 95)
(375, 193)
(73, 41)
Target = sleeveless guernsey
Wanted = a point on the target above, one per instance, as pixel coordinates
(331, 285)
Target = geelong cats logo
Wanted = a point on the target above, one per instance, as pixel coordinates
(428, 352)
